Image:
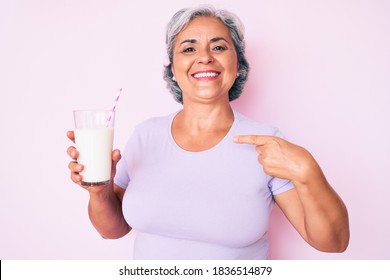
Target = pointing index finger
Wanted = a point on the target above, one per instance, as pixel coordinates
(253, 139)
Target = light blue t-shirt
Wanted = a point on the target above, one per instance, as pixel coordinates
(213, 204)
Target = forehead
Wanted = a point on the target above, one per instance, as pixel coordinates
(208, 27)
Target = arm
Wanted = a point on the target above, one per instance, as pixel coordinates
(318, 214)
(105, 202)
(105, 212)
(313, 207)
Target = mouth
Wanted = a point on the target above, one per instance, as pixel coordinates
(206, 74)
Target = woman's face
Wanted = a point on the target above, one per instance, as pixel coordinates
(205, 60)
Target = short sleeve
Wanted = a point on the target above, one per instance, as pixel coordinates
(278, 185)
(121, 177)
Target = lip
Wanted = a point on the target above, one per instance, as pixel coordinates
(206, 76)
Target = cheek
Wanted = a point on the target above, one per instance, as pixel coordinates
(181, 65)
(233, 61)
(231, 67)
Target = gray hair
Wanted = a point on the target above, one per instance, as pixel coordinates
(181, 19)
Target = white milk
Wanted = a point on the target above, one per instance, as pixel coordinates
(95, 148)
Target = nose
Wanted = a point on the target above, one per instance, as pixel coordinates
(205, 57)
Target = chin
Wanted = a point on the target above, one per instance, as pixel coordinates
(211, 95)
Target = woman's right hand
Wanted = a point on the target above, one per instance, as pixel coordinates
(75, 168)
(105, 203)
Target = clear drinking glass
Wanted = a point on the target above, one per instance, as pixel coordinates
(94, 135)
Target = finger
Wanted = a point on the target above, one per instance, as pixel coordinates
(116, 156)
(75, 167)
(70, 135)
(76, 178)
(72, 152)
(253, 139)
(260, 159)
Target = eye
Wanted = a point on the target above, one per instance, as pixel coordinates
(219, 48)
(188, 50)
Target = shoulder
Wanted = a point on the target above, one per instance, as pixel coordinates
(154, 124)
(246, 125)
(155, 121)
(150, 129)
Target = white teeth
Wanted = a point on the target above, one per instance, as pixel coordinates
(206, 74)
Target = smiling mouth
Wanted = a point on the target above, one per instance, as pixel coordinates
(200, 75)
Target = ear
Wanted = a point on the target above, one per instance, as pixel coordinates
(173, 71)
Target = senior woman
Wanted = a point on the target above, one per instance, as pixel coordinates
(200, 183)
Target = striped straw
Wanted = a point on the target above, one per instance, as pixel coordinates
(113, 106)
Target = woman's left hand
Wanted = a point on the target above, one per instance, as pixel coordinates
(281, 158)
(312, 207)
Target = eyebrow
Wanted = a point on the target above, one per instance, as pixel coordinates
(213, 40)
(192, 41)
(218, 39)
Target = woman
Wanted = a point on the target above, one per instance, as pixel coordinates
(200, 183)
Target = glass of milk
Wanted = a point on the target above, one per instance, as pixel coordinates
(94, 135)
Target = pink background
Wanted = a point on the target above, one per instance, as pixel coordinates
(320, 72)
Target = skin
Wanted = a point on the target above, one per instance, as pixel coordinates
(105, 202)
(204, 45)
(313, 207)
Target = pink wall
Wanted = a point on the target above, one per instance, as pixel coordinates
(320, 72)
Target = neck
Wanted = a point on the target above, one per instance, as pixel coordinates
(205, 118)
